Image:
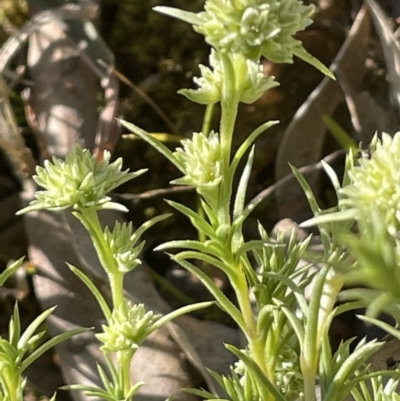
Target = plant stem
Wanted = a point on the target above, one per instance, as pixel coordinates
(90, 219)
(208, 115)
(125, 359)
(117, 288)
(257, 348)
(229, 108)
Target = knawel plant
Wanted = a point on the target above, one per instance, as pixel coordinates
(81, 183)
(287, 355)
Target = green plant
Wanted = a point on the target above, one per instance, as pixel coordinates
(15, 355)
(81, 183)
(287, 355)
(282, 322)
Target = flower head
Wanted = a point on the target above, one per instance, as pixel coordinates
(209, 83)
(128, 328)
(374, 186)
(251, 83)
(78, 182)
(121, 242)
(200, 159)
(255, 28)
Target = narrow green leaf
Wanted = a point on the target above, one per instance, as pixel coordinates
(331, 173)
(257, 244)
(329, 218)
(30, 330)
(290, 284)
(104, 379)
(383, 325)
(185, 244)
(181, 311)
(15, 327)
(134, 389)
(205, 258)
(311, 340)
(247, 143)
(91, 391)
(198, 222)
(187, 16)
(294, 321)
(94, 290)
(203, 394)
(240, 197)
(258, 375)
(264, 321)
(10, 270)
(159, 146)
(212, 216)
(220, 297)
(145, 226)
(302, 53)
(307, 190)
(341, 135)
(237, 224)
(349, 366)
(50, 344)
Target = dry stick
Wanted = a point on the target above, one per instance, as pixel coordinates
(305, 170)
(147, 98)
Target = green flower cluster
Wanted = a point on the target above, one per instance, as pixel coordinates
(128, 327)
(255, 28)
(251, 83)
(78, 182)
(122, 245)
(288, 374)
(374, 188)
(200, 159)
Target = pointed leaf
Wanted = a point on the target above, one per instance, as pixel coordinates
(247, 143)
(257, 374)
(10, 270)
(220, 297)
(343, 137)
(198, 222)
(50, 344)
(344, 215)
(94, 290)
(145, 226)
(30, 330)
(182, 311)
(153, 142)
(238, 206)
(187, 16)
(302, 53)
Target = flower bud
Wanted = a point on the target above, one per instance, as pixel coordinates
(128, 328)
(255, 28)
(374, 186)
(78, 182)
(200, 158)
(122, 247)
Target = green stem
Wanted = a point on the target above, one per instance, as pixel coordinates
(208, 115)
(256, 347)
(117, 288)
(229, 109)
(125, 360)
(308, 385)
(89, 218)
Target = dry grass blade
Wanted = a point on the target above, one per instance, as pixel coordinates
(11, 139)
